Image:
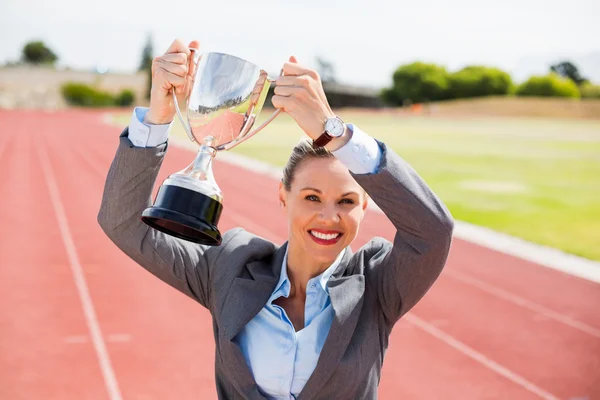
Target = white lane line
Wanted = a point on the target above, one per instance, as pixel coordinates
(480, 358)
(110, 380)
(513, 298)
(436, 332)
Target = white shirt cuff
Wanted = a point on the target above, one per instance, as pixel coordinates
(362, 154)
(146, 135)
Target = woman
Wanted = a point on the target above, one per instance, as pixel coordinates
(309, 319)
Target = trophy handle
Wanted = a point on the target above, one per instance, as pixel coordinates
(186, 126)
(247, 136)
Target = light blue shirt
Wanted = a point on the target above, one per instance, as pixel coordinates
(281, 359)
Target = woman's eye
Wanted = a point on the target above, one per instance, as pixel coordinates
(347, 201)
(312, 197)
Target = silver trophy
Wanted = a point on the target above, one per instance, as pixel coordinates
(221, 108)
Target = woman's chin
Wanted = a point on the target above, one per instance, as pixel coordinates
(323, 254)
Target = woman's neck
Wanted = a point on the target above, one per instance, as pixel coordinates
(301, 268)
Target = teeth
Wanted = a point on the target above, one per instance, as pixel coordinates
(323, 236)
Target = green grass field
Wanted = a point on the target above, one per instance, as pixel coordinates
(538, 179)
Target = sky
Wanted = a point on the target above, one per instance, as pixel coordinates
(364, 40)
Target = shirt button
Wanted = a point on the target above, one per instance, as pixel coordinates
(143, 132)
(355, 148)
(313, 285)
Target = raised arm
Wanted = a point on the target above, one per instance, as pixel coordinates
(131, 178)
(127, 192)
(403, 272)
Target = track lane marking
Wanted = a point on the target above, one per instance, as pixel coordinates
(87, 305)
(477, 356)
(515, 299)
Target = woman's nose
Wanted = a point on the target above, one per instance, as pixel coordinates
(329, 214)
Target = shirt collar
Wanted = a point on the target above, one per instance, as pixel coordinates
(283, 285)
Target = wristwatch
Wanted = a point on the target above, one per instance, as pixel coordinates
(334, 128)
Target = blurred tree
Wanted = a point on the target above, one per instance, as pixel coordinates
(325, 70)
(551, 85)
(146, 63)
(420, 82)
(38, 53)
(476, 81)
(567, 69)
(590, 91)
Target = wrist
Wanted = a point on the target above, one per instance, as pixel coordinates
(157, 119)
(339, 142)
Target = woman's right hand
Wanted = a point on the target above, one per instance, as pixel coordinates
(174, 69)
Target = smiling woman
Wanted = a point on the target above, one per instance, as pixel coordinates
(308, 319)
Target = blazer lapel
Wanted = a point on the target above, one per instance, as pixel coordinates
(246, 297)
(248, 294)
(346, 294)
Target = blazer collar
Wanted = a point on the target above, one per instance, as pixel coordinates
(250, 292)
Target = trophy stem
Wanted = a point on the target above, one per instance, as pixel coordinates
(189, 203)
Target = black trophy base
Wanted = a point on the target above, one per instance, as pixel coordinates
(185, 214)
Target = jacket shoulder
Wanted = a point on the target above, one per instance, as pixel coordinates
(240, 247)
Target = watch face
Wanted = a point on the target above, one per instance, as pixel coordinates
(334, 127)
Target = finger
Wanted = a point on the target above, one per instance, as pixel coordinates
(287, 81)
(177, 69)
(290, 68)
(280, 101)
(169, 79)
(175, 58)
(178, 47)
(287, 91)
(293, 59)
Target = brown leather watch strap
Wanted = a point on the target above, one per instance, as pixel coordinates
(322, 140)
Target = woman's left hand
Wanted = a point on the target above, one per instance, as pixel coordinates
(300, 93)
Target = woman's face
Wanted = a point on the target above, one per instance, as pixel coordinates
(324, 208)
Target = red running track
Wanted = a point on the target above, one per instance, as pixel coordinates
(79, 320)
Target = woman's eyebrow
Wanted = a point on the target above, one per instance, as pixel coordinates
(319, 191)
(310, 188)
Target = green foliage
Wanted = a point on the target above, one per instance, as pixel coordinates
(476, 81)
(567, 69)
(125, 98)
(420, 82)
(551, 85)
(37, 53)
(390, 97)
(590, 91)
(81, 94)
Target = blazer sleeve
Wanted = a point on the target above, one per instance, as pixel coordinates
(128, 189)
(403, 272)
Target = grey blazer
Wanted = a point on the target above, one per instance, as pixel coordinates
(369, 291)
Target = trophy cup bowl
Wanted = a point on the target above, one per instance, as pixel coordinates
(221, 108)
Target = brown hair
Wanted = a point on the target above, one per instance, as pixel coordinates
(302, 151)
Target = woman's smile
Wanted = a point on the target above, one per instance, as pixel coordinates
(325, 237)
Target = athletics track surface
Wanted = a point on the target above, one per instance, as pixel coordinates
(79, 320)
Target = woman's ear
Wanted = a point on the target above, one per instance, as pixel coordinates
(365, 203)
(282, 195)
